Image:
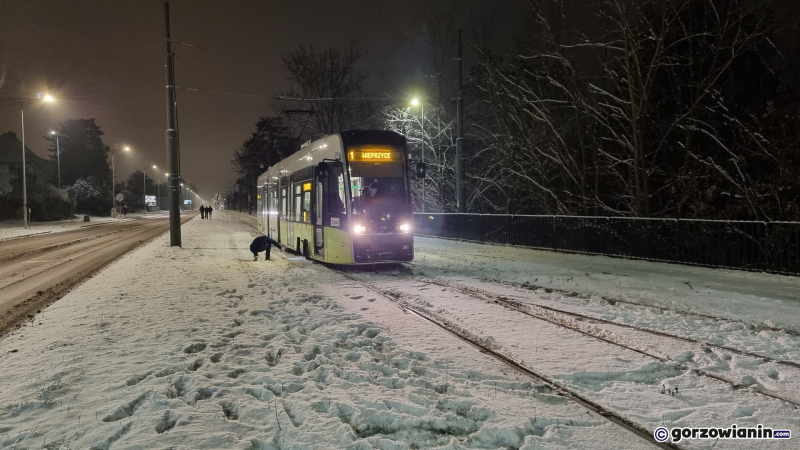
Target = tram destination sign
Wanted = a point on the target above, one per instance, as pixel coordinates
(376, 155)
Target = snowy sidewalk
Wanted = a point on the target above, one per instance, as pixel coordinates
(201, 347)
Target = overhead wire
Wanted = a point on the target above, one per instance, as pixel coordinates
(280, 63)
(344, 23)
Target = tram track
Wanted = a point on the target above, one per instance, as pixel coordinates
(511, 361)
(504, 300)
(613, 300)
(525, 309)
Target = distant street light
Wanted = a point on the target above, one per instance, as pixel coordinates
(416, 102)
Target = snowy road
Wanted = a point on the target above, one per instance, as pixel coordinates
(202, 347)
(37, 270)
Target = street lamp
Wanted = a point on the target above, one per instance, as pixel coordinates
(58, 157)
(416, 102)
(47, 99)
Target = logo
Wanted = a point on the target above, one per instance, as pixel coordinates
(661, 434)
(678, 434)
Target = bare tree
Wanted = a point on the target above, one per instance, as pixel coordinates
(329, 83)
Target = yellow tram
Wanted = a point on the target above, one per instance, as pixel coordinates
(342, 199)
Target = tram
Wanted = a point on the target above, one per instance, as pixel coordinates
(342, 199)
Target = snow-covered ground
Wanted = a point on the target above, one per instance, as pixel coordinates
(752, 297)
(201, 347)
(15, 229)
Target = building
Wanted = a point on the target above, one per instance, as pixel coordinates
(11, 161)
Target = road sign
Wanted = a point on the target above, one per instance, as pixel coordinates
(120, 197)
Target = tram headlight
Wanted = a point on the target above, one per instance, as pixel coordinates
(405, 228)
(358, 229)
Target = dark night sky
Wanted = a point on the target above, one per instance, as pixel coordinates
(105, 60)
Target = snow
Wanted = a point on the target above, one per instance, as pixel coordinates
(201, 347)
(752, 297)
(13, 230)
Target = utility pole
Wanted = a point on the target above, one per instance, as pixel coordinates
(461, 205)
(173, 156)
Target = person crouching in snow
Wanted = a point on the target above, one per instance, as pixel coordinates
(263, 243)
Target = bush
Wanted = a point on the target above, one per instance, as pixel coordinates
(46, 202)
(92, 196)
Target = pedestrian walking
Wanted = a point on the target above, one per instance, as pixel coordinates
(263, 243)
(202, 212)
(209, 210)
(125, 211)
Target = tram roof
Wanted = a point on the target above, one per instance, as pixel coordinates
(327, 147)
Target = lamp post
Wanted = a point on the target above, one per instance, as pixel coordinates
(416, 102)
(58, 157)
(47, 99)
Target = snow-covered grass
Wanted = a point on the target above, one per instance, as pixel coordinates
(201, 347)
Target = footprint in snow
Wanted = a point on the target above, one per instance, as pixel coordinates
(358, 297)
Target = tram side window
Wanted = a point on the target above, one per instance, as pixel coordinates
(298, 198)
(335, 191)
(284, 204)
(273, 203)
(307, 201)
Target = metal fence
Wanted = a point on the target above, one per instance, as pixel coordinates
(760, 246)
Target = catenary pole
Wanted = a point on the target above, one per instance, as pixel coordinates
(460, 202)
(173, 157)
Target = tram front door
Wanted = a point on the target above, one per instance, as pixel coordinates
(329, 202)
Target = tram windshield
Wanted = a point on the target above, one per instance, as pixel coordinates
(378, 190)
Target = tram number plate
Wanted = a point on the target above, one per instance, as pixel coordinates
(334, 221)
(405, 247)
